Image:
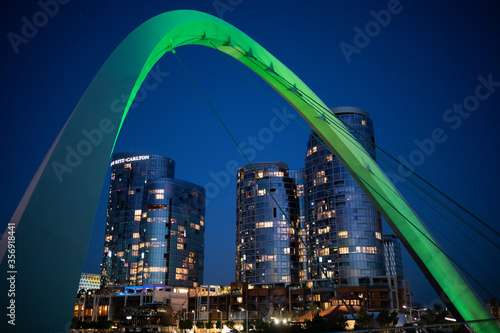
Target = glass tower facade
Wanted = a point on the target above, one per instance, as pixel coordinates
(299, 177)
(343, 227)
(128, 205)
(172, 233)
(267, 248)
(393, 257)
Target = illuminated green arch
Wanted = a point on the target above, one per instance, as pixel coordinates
(56, 215)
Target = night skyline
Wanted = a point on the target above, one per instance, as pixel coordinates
(426, 59)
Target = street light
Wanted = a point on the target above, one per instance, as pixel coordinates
(418, 311)
(247, 318)
(220, 319)
(414, 309)
(405, 307)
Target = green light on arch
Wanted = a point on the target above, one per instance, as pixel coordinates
(55, 217)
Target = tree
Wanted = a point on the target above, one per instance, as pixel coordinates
(209, 324)
(218, 324)
(336, 323)
(230, 324)
(435, 315)
(261, 325)
(387, 319)
(186, 324)
(314, 308)
(179, 315)
(200, 324)
(364, 320)
(315, 325)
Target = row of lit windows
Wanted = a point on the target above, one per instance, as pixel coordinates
(156, 269)
(262, 174)
(358, 249)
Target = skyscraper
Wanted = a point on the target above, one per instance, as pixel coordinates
(267, 247)
(393, 257)
(139, 220)
(172, 232)
(343, 227)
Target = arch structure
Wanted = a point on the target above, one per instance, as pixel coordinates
(54, 219)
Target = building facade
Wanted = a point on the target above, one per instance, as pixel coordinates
(89, 281)
(393, 257)
(343, 227)
(267, 225)
(144, 201)
(172, 233)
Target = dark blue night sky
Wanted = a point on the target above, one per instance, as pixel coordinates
(430, 66)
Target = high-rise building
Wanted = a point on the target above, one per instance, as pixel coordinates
(267, 246)
(140, 219)
(343, 227)
(172, 232)
(299, 176)
(393, 257)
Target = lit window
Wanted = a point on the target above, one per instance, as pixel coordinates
(180, 246)
(159, 196)
(378, 235)
(363, 122)
(343, 250)
(315, 149)
(320, 174)
(158, 269)
(127, 165)
(261, 192)
(135, 235)
(342, 234)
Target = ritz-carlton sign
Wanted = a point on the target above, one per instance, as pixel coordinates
(130, 159)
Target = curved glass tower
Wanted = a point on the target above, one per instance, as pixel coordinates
(129, 173)
(343, 227)
(267, 248)
(172, 233)
(155, 225)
